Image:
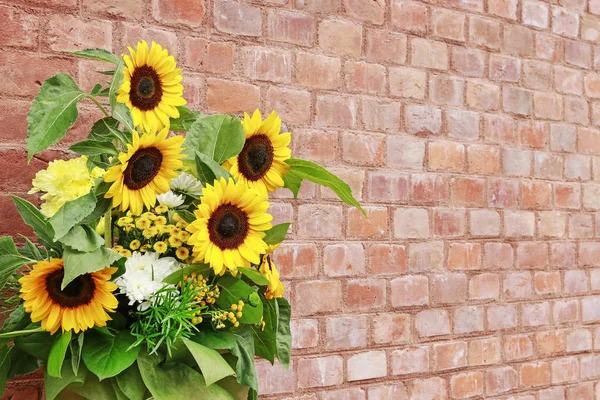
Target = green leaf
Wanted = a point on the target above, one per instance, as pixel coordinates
(15, 334)
(58, 351)
(187, 216)
(284, 335)
(7, 246)
(208, 169)
(102, 205)
(220, 137)
(254, 276)
(16, 321)
(38, 344)
(121, 113)
(8, 265)
(107, 356)
(52, 113)
(106, 130)
(317, 174)
(185, 120)
(177, 276)
(244, 351)
(22, 363)
(222, 340)
(292, 181)
(53, 386)
(252, 394)
(232, 290)
(79, 263)
(265, 342)
(115, 84)
(211, 363)
(239, 392)
(35, 219)
(97, 54)
(94, 148)
(83, 238)
(96, 89)
(176, 381)
(277, 233)
(71, 213)
(4, 365)
(131, 384)
(31, 250)
(76, 346)
(94, 389)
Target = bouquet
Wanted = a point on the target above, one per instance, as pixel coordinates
(151, 275)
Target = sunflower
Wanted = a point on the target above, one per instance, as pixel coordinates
(79, 306)
(144, 171)
(151, 87)
(275, 288)
(229, 226)
(261, 163)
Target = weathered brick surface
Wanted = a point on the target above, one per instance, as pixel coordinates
(469, 130)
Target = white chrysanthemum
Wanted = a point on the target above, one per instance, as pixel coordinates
(143, 276)
(170, 199)
(186, 183)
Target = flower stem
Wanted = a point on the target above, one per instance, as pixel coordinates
(100, 106)
(108, 228)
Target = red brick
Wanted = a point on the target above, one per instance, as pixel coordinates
(429, 54)
(318, 71)
(319, 221)
(375, 226)
(582, 391)
(346, 332)
(581, 226)
(262, 63)
(448, 24)
(67, 33)
(565, 22)
(316, 145)
(291, 27)
(532, 255)
(18, 28)
(446, 156)
(275, 378)
(320, 371)
(577, 110)
(395, 391)
(536, 194)
(502, 193)
(503, 8)
(237, 19)
(552, 224)
(536, 314)
(410, 16)
(324, 6)
(550, 343)
(565, 311)
(131, 8)
(384, 46)
(293, 106)
(446, 90)
(185, 12)
(562, 254)
(468, 319)
(449, 356)
(535, 374)
(518, 347)
(297, 260)
(14, 119)
(411, 223)
(423, 120)
(517, 285)
(483, 159)
(498, 256)
(484, 32)
(378, 115)
(501, 380)
(340, 37)
(391, 328)
(410, 360)
(577, 167)
(517, 162)
(405, 153)
(468, 191)
(567, 195)
(367, 365)
(432, 323)
(387, 259)
(590, 309)
(535, 13)
(408, 82)
(485, 351)
(467, 384)
(548, 47)
(484, 223)
(232, 97)
(344, 260)
(578, 54)
(518, 41)
(319, 296)
(388, 187)
(502, 317)
(579, 340)
(365, 78)
(499, 129)
(448, 222)
(336, 111)
(449, 288)
(482, 96)
(135, 32)
(427, 256)
(368, 11)
(588, 141)
(468, 62)
(484, 287)
(366, 294)
(518, 101)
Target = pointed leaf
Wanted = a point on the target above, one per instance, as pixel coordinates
(121, 113)
(58, 351)
(244, 351)
(254, 276)
(185, 120)
(52, 113)
(35, 219)
(277, 233)
(106, 355)
(79, 263)
(8, 265)
(115, 84)
(82, 238)
(71, 213)
(208, 169)
(7, 246)
(94, 148)
(211, 363)
(220, 137)
(284, 336)
(5, 360)
(131, 384)
(97, 54)
(75, 347)
(53, 386)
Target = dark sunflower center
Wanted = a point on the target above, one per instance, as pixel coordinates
(228, 226)
(146, 90)
(77, 293)
(143, 166)
(256, 157)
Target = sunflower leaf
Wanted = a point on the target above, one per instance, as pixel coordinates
(96, 54)
(115, 84)
(219, 137)
(244, 351)
(317, 174)
(17, 320)
(8, 265)
(211, 363)
(75, 347)
(52, 113)
(94, 148)
(254, 276)
(121, 113)
(7, 246)
(284, 336)
(185, 120)
(4, 365)
(71, 213)
(35, 219)
(58, 351)
(131, 384)
(82, 238)
(107, 356)
(292, 181)
(234, 290)
(208, 169)
(79, 263)
(53, 386)
(177, 276)
(277, 233)
(265, 340)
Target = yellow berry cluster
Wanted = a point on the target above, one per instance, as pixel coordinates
(152, 231)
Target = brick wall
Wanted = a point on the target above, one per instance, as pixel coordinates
(467, 128)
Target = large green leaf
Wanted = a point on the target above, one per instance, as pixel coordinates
(115, 84)
(79, 263)
(244, 351)
(38, 344)
(234, 289)
(176, 381)
(131, 384)
(265, 340)
(185, 120)
(254, 276)
(239, 392)
(8, 265)
(107, 129)
(222, 340)
(52, 113)
(277, 233)
(36, 220)
(97, 54)
(16, 321)
(284, 335)
(71, 213)
(22, 363)
(317, 174)
(108, 355)
(102, 205)
(7, 246)
(209, 170)
(58, 351)
(94, 389)
(82, 238)
(31, 250)
(220, 137)
(53, 386)
(292, 181)
(4, 365)
(211, 363)
(23, 332)
(94, 148)
(177, 276)
(76, 346)
(121, 113)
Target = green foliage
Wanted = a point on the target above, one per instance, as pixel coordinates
(93, 389)
(160, 378)
(94, 148)
(79, 263)
(16, 321)
(254, 276)
(209, 170)
(108, 355)
(16, 334)
(302, 169)
(284, 335)
(53, 386)
(115, 84)
(219, 137)
(277, 233)
(36, 220)
(76, 346)
(30, 250)
(5, 360)
(8, 265)
(82, 238)
(52, 113)
(177, 276)
(37, 344)
(7, 246)
(131, 384)
(58, 351)
(71, 213)
(185, 120)
(96, 54)
(244, 351)
(265, 341)
(107, 130)
(121, 113)
(211, 363)
(234, 290)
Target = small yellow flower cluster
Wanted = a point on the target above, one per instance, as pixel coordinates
(232, 316)
(152, 231)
